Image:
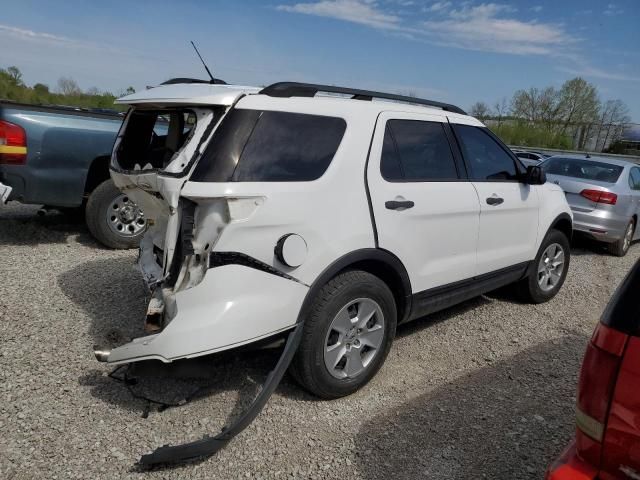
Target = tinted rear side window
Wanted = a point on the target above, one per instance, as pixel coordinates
(487, 159)
(584, 169)
(634, 178)
(416, 150)
(268, 146)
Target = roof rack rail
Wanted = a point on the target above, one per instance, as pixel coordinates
(172, 81)
(294, 89)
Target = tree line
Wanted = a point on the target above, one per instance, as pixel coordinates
(573, 116)
(67, 92)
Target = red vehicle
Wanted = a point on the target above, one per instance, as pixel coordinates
(607, 441)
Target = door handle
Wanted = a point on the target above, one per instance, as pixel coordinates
(398, 204)
(495, 201)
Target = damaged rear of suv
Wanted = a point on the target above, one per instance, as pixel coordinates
(330, 213)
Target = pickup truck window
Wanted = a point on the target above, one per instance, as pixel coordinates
(153, 137)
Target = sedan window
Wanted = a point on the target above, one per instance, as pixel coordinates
(584, 169)
(634, 178)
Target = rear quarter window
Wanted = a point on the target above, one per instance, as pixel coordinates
(584, 169)
(270, 146)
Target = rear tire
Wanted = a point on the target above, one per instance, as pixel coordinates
(546, 278)
(621, 247)
(365, 306)
(100, 211)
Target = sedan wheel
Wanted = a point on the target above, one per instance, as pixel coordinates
(627, 237)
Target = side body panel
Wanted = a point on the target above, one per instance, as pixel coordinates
(436, 239)
(508, 231)
(553, 203)
(60, 150)
(331, 213)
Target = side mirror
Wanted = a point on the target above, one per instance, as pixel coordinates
(535, 175)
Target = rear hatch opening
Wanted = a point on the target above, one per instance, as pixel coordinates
(163, 139)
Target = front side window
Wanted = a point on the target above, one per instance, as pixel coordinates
(416, 151)
(486, 158)
(269, 146)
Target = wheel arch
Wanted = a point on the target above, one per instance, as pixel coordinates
(562, 223)
(376, 261)
(98, 172)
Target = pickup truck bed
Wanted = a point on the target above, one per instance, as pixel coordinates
(58, 157)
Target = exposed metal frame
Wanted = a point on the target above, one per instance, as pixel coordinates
(294, 89)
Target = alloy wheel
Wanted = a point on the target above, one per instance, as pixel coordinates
(354, 338)
(550, 267)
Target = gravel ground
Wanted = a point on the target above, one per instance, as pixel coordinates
(482, 390)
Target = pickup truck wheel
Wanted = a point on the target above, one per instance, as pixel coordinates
(621, 247)
(113, 219)
(346, 336)
(549, 270)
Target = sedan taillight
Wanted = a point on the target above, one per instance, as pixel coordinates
(600, 196)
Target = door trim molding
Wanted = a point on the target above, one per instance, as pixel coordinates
(438, 298)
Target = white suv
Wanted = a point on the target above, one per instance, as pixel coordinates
(336, 211)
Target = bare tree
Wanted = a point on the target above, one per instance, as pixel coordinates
(68, 86)
(578, 103)
(93, 91)
(549, 106)
(612, 119)
(480, 110)
(501, 109)
(526, 104)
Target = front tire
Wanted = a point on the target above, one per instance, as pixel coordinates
(621, 247)
(347, 335)
(113, 219)
(549, 270)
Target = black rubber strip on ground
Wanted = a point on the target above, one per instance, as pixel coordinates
(175, 454)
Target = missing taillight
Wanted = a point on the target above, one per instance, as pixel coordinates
(13, 144)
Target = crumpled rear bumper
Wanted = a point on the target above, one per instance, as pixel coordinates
(232, 306)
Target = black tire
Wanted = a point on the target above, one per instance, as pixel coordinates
(308, 366)
(620, 247)
(98, 205)
(529, 289)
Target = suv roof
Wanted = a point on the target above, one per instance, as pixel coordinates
(189, 94)
(195, 93)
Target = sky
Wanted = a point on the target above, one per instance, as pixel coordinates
(448, 50)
